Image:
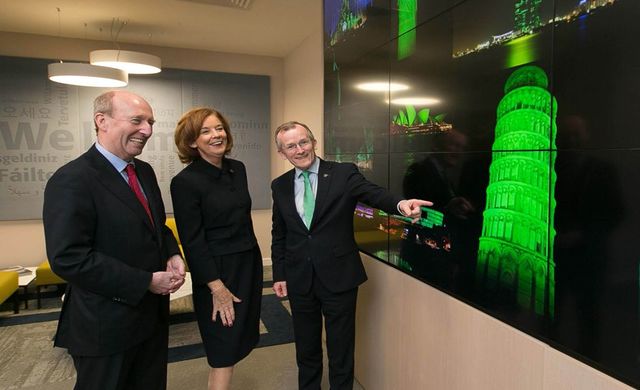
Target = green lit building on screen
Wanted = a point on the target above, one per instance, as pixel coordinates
(527, 15)
(516, 246)
(407, 22)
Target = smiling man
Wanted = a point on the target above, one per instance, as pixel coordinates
(105, 234)
(315, 258)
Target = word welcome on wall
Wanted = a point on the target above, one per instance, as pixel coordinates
(44, 125)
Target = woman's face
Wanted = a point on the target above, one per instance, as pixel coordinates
(212, 141)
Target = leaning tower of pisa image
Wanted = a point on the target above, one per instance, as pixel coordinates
(515, 254)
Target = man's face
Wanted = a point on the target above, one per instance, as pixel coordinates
(297, 147)
(126, 131)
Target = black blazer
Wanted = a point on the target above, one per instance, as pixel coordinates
(212, 208)
(328, 247)
(100, 240)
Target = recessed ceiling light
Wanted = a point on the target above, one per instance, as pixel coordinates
(415, 101)
(382, 87)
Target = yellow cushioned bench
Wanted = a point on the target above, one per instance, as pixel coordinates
(171, 224)
(9, 287)
(46, 277)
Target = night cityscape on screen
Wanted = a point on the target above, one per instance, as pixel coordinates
(517, 119)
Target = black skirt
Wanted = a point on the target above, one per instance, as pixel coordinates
(241, 273)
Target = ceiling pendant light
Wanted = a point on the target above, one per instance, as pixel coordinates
(86, 75)
(130, 61)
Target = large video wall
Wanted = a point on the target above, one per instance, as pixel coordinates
(520, 120)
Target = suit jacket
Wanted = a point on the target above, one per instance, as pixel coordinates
(212, 208)
(100, 240)
(328, 247)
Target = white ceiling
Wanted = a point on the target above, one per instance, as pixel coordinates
(267, 27)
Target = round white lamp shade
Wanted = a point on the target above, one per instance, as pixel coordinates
(87, 75)
(130, 61)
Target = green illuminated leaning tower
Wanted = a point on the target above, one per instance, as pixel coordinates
(516, 247)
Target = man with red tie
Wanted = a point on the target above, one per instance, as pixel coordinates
(315, 258)
(105, 234)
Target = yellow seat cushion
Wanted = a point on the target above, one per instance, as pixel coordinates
(45, 276)
(8, 284)
(171, 224)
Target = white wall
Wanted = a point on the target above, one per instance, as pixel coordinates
(412, 336)
(303, 102)
(304, 86)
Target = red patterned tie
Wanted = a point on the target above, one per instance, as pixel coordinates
(135, 186)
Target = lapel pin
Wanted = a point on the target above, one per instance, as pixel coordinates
(325, 175)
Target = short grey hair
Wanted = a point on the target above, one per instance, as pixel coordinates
(103, 104)
(288, 126)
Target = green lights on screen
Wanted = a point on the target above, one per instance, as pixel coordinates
(516, 245)
(521, 51)
(527, 15)
(430, 218)
(409, 116)
(407, 18)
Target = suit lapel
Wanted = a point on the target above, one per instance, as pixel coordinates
(113, 182)
(324, 183)
(288, 196)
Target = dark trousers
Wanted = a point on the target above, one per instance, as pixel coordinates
(339, 310)
(143, 366)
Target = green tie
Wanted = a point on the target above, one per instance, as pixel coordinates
(308, 200)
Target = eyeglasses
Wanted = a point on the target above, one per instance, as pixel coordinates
(293, 147)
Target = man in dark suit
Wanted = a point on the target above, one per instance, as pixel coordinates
(105, 234)
(316, 262)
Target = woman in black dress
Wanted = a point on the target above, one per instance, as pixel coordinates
(212, 208)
